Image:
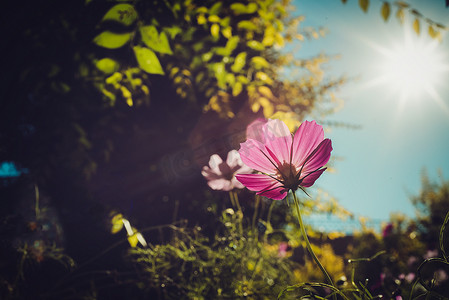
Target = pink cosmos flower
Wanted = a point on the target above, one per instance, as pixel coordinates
(285, 162)
(220, 175)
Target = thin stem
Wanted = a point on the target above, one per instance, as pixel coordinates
(309, 247)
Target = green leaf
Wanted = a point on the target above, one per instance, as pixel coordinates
(364, 5)
(239, 63)
(215, 30)
(259, 62)
(107, 65)
(248, 25)
(251, 8)
(385, 11)
(238, 8)
(173, 31)
(416, 26)
(220, 74)
(215, 9)
(237, 89)
(147, 60)
(152, 39)
(111, 40)
(232, 43)
(255, 45)
(122, 13)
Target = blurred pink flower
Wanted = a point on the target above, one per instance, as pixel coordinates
(282, 251)
(220, 175)
(286, 162)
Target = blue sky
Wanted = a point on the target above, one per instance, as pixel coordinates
(399, 136)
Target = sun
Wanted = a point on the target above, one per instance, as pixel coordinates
(412, 68)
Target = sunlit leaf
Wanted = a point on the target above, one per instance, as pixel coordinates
(213, 19)
(264, 77)
(237, 89)
(265, 91)
(154, 40)
(111, 40)
(117, 221)
(259, 62)
(364, 5)
(147, 60)
(232, 43)
(248, 25)
(201, 19)
(227, 32)
(215, 9)
(107, 65)
(238, 8)
(400, 15)
(251, 8)
(173, 31)
(385, 11)
(432, 32)
(122, 13)
(215, 30)
(416, 26)
(133, 240)
(220, 74)
(239, 62)
(255, 45)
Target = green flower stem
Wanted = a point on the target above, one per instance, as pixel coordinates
(309, 247)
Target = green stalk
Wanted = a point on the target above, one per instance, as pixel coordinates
(309, 247)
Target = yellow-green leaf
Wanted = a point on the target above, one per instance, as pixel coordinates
(117, 220)
(215, 9)
(400, 15)
(385, 11)
(214, 19)
(251, 8)
(147, 60)
(259, 62)
(227, 32)
(239, 62)
(215, 30)
(416, 26)
(255, 45)
(264, 77)
(111, 40)
(364, 5)
(238, 8)
(248, 25)
(154, 40)
(122, 13)
(237, 89)
(107, 65)
(133, 240)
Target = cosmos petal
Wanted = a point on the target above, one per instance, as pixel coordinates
(214, 163)
(263, 184)
(254, 154)
(308, 136)
(256, 182)
(220, 184)
(319, 157)
(254, 130)
(309, 179)
(233, 160)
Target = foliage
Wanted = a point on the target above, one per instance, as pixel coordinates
(434, 29)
